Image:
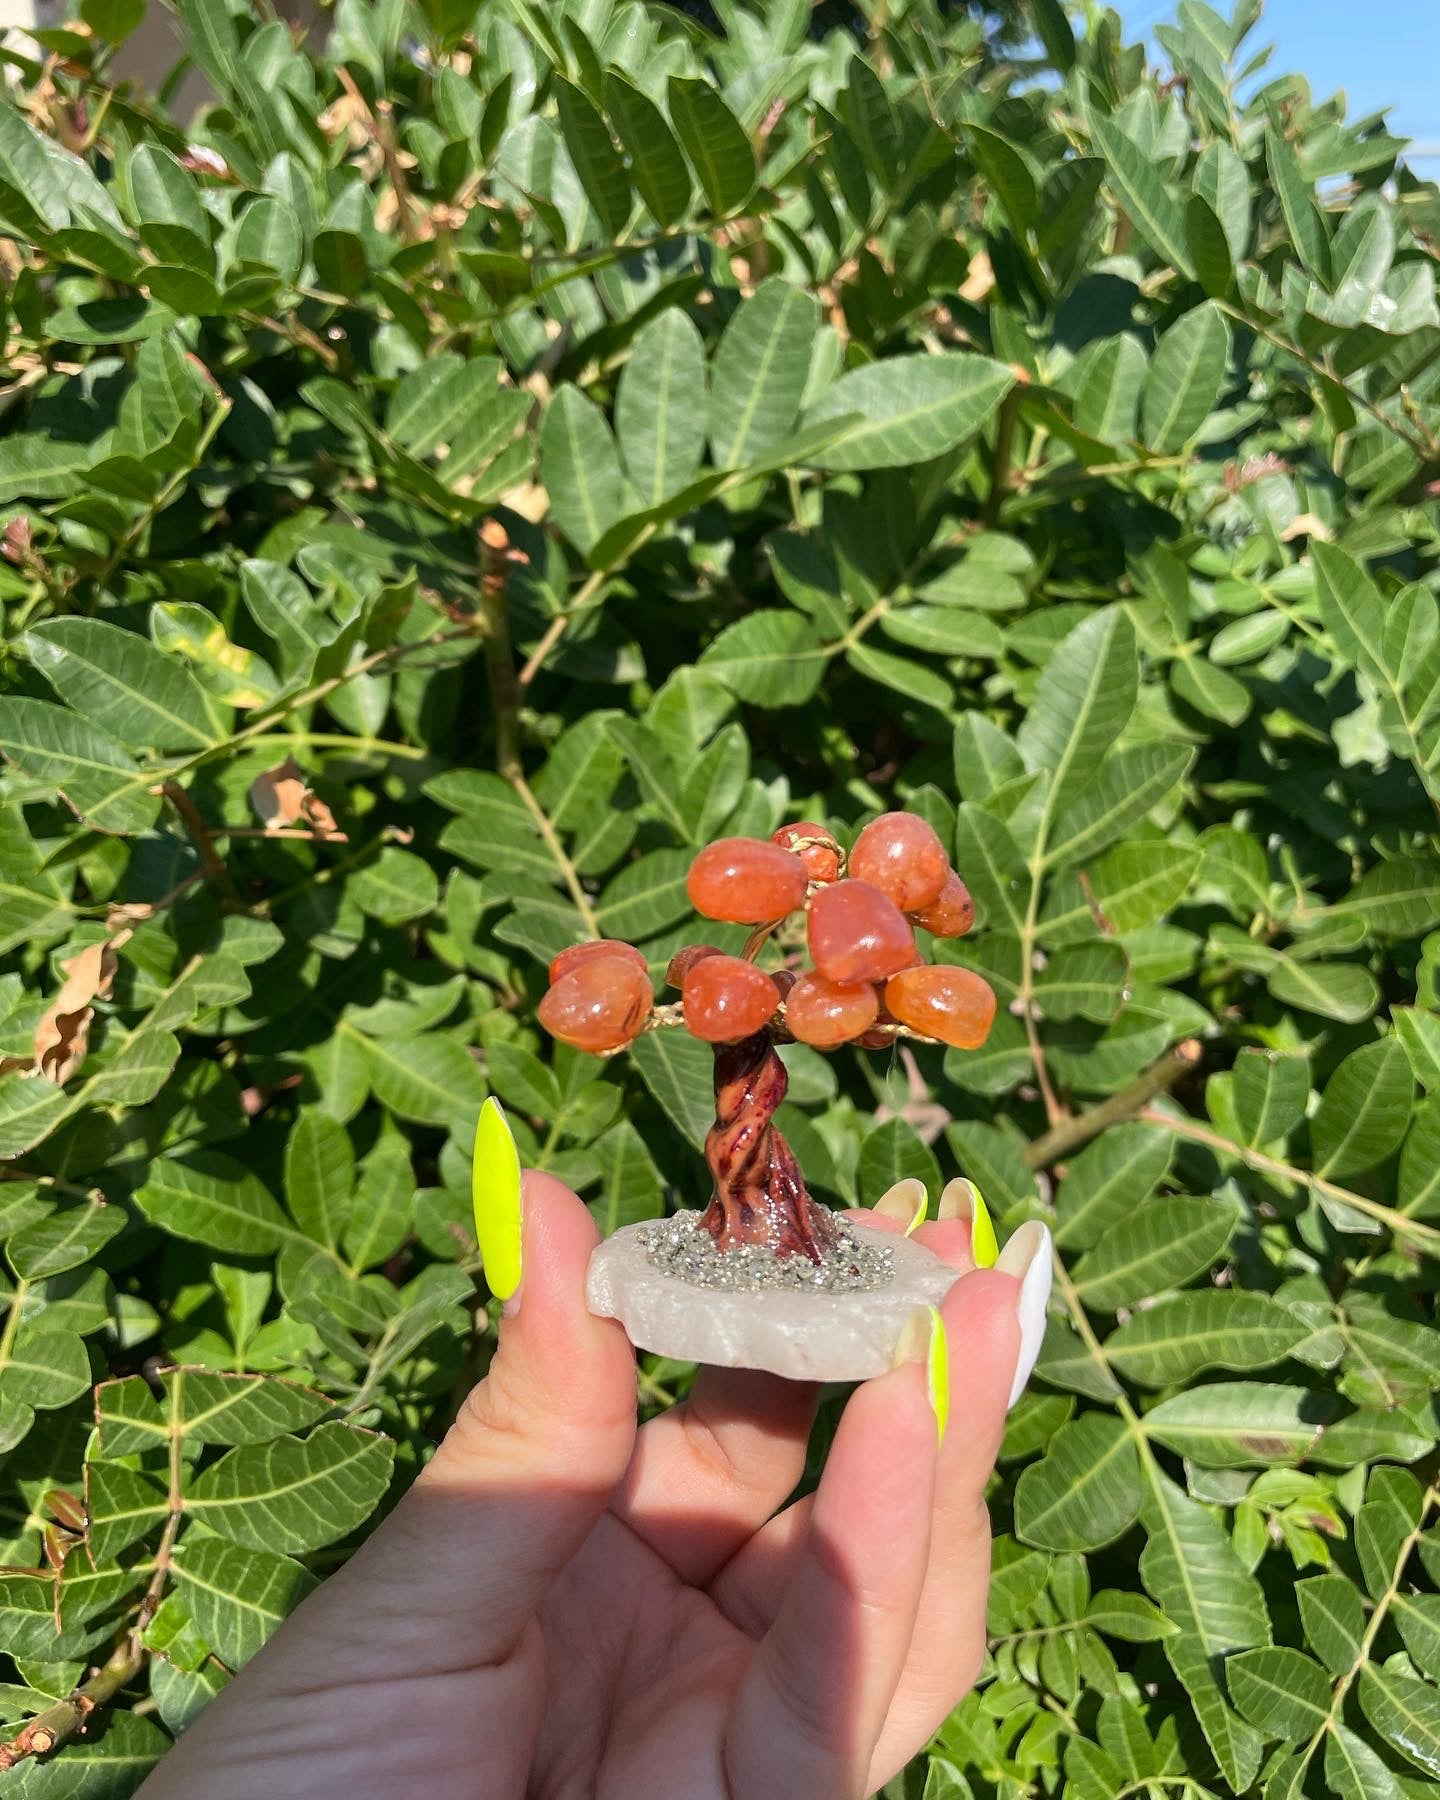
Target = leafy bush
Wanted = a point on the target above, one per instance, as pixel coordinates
(491, 455)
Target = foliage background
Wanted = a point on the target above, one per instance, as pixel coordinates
(910, 410)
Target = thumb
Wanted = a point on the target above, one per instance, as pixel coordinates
(537, 1448)
(523, 1473)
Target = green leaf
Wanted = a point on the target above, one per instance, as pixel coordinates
(1085, 1491)
(63, 1241)
(210, 1407)
(759, 372)
(1198, 1582)
(1168, 1344)
(678, 1070)
(97, 778)
(1108, 1180)
(1242, 1424)
(1085, 695)
(1106, 387)
(1334, 1620)
(906, 409)
(714, 141)
(397, 886)
(1165, 1243)
(237, 1597)
(44, 1368)
(1405, 1712)
(208, 1198)
(771, 659)
(121, 683)
(1270, 1093)
(1364, 1111)
(581, 469)
(597, 162)
(1129, 1616)
(1141, 191)
(656, 165)
(121, 1506)
(432, 1080)
(1187, 373)
(1302, 219)
(1280, 1690)
(646, 896)
(894, 1152)
(293, 1494)
(660, 411)
(319, 1176)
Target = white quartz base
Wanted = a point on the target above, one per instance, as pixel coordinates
(808, 1336)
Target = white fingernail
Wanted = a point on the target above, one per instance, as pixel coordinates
(905, 1203)
(1027, 1256)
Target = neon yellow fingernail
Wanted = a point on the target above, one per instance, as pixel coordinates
(937, 1374)
(923, 1339)
(495, 1192)
(983, 1246)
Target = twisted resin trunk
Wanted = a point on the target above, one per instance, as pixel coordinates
(760, 1195)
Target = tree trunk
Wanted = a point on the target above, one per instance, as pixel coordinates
(760, 1195)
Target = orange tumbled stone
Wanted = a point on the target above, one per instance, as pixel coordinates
(951, 914)
(599, 1006)
(727, 999)
(856, 933)
(589, 950)
(902, 856)
(826, 1013)
(746, 881)
(822, 859)
(685, 959)
(944, 1002)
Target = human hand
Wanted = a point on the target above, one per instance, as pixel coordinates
(563, 1605)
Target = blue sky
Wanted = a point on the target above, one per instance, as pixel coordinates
(1383, 54)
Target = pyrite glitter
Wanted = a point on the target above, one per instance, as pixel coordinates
(678, 1246)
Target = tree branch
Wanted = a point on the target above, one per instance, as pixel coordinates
(67, 1718)
(1069, 1134)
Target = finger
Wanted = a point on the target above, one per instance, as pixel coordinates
(948, 1643)
(706, 1475)
(528, 1466)
(748, 1589)
(811, 1704)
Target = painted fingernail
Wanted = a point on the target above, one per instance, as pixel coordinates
(905, 1203)
(495, 1191)
(923, 1339)
(1027, 1257)
(963, 1200)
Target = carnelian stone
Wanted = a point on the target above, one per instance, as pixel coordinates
(944, 1002)
(589, 950)
(727, 999)
(821, 860)
(599, 1006)
(856, 933)
(747, 881)
(901, 855)
(685, 959)
(826, 1013)
(952, 914)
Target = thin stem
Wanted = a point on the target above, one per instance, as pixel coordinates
(201, 837)
(1069, 1134)
(1054, 1112)
(584, 594)
(1372, 1629)
(1424, 1235)
(12, 1319)
(1004, 451)
(1417, 443)
(337, 740)
(557, 850)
